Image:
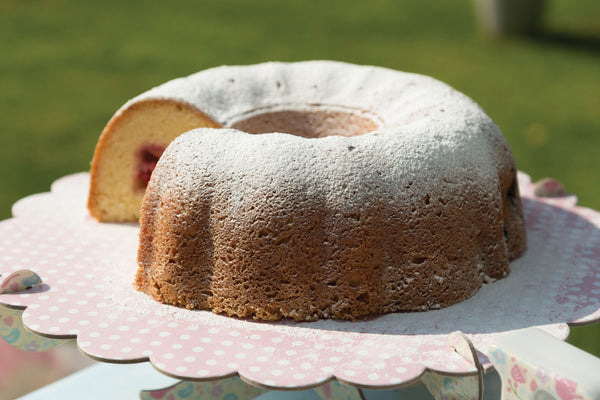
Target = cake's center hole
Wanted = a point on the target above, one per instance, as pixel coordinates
(146, 158)
(314, 123)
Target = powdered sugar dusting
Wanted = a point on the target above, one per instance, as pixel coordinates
(415, 113)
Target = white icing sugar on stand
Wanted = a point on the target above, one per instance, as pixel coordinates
(85, 292)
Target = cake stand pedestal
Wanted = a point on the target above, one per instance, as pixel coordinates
(85, 292)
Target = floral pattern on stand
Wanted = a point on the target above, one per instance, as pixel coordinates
(11, 322)
(527, 382)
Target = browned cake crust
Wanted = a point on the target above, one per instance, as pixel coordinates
(281, 268)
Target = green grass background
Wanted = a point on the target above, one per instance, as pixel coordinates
(66, 66)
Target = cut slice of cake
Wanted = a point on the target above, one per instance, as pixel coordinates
(127, 151)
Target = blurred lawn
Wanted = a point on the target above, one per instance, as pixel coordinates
(66, 66)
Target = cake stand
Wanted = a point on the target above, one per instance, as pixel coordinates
(86, 270)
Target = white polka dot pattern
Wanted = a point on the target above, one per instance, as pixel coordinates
(88, 268)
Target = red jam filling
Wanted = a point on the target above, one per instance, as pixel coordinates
(146, 156)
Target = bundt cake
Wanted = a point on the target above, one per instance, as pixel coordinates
(372, 191)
